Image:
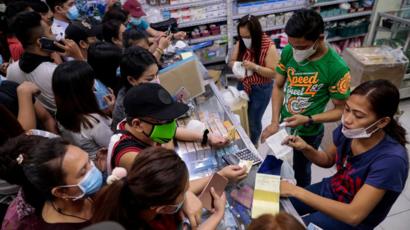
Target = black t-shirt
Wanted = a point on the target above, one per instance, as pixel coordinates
(8, 96)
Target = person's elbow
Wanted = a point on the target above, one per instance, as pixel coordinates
(355, 218)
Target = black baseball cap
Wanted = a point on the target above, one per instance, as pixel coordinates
(153, 101)
(81, 30)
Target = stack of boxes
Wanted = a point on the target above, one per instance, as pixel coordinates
(257, 6)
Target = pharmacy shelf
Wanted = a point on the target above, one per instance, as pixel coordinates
(276, 27)
(329, 3)
(338, 38)
(208, 38)
(201, 22)
(347, 16)
(190, 4)
(270, 11)
(214, 61)
(265, 29)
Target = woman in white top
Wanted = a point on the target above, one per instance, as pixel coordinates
(80, 119)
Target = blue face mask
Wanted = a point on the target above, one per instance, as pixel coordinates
(90, 184)
(134, 22)
(73, 13)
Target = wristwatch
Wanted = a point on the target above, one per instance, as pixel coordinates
(205, 137)
(310, 121)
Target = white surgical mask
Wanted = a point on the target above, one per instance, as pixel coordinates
(155, 80)
(301, 55)
(359, 132)
(247, 42)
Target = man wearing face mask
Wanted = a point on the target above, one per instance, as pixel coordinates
(151, 115)
(65, 11)
(312, 73)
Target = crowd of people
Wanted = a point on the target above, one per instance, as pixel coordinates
(87, 130)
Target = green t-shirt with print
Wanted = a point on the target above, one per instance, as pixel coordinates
(310, 85)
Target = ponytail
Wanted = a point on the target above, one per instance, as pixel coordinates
(115, 203)
(157, 177)
(34, 163)
(396, 131)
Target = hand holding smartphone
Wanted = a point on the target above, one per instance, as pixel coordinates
(218, 183)
(49, 45)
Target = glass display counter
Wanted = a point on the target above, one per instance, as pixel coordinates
(204, 161)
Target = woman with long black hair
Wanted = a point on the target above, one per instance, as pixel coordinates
(258, 54)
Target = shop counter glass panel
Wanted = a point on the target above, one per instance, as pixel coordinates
(204, 161)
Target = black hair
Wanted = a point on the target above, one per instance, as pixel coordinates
(40, 7)
(116, 14)
(40, 168)
(384, 99)
(105, 58)
(12, 10)
(134, 63)
(255, 29)
(305, 23)
(9, 125)
(133, 35)
(27, 28)
(157, 177)
(53, 3)
(73, 84)
(111, 29)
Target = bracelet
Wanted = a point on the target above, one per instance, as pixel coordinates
(205, 137)
(160, 51)
(310, 121)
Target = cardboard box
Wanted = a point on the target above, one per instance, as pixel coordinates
(371, 63)
(186, 73)
(241, 109)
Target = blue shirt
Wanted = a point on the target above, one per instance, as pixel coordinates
(385, 166)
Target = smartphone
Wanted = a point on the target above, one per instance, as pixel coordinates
(219, 183)
(168, 32)
(100, 91)
(48, 44)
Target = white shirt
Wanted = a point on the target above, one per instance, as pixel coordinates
(41, 76)
(58, 28)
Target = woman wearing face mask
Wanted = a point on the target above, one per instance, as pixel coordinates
(152, 194)
(138, 66)
(259, 57)
(371, 160)
(81, 121)
(56, 180)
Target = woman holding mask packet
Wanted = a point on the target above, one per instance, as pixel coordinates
(254, 57)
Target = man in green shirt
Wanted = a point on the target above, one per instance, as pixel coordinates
(309, 73)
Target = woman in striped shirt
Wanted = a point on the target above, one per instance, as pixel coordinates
(258, 55)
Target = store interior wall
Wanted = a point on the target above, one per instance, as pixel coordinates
(381, 6)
